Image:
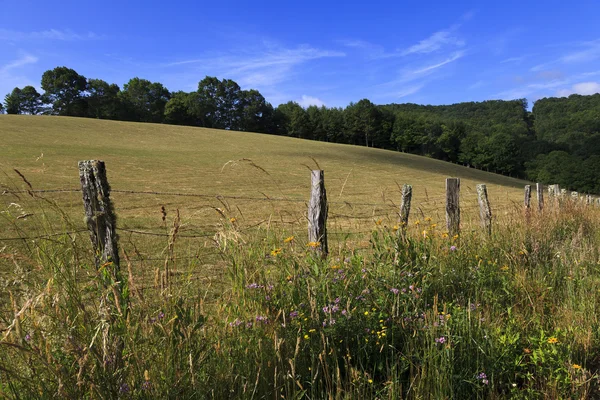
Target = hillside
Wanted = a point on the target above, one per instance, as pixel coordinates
(164, 158)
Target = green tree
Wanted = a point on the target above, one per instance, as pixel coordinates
(256, 114)
(363, 123)
(103, 100)
(293, 120)
(179, 109)
(145, 100)
(64, 89)
(1, 108)
(31, 101)
(12, 101)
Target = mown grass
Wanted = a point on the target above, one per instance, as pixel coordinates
(512, 315)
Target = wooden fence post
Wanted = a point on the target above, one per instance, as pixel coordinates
(317, 213)
(485, 211)
(405, 208)
(452, 205)
(100, 219)
(539, 189)
(527, 201)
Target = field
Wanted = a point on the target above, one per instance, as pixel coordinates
(247, 309)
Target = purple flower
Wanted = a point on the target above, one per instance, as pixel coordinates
(344, 312)
(260, 318)
(237, 322)
(293, 314)
(411, 287)
(124, 388)
(403, 290)
(452, 248)
(335, 309)
(326, 309)
(161, 315)
(337, 300)
(252, 286)
(485, 381)
(394, 290)
(249, 325)
(268, 298)
(146, 385)
(440, 340)
(28, 337)
(482, 376)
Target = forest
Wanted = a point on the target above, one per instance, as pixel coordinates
(558, 141)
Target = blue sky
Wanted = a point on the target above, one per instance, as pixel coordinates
(314, 52)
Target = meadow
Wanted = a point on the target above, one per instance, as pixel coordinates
(251, 311)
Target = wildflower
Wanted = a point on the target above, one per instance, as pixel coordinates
(335, 267)
(395, 227)
(526, 351)
(288, 239)
(337, 300)
(378, 222)
(366, 313)
(440, 340)
(293, 314)
(504, 268)
(344, 312)
(232, 219)
(260, 318)
(235, 323)
(370, 381)
(485, 381)
(444, 235)
(306, 337)
(161, 315)
(452, 248)
(124, 388)
(254, 286)
(433, 226)
(455, 237)
(28, 337)
(313, 244)
(576, 366)
(326, 309)
(552, 340)
(417, 222)
(275, 252)
(312, 330)
(427, 219)
(394, 290)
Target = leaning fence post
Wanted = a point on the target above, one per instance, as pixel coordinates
(101, 222)
(539, 189)
(485, 211)
(317, 213)
(452, 205)
(405, 207)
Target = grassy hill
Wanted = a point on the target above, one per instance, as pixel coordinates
(245, 169)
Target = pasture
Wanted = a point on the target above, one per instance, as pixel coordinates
(249, 311)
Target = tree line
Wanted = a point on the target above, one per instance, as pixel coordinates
(557, 142)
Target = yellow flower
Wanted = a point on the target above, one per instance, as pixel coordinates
(306, 337)
(576, 366)
(275, 252)
(370, 380)
(427, 219)
(504, 268)
(455, 237)
(378, 222)
(232, 219)
(313, 244)
(395, 227)
(366, 313)
(288, 239)
(433, 226)
(444, 235)
(312, 330)
(417, 222)
(146, 375)
(335, 267)
(552, 340)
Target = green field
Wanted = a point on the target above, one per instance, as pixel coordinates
(235, 305)
(163, 158)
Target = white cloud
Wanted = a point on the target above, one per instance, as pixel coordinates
(50, 34)
(435, 42)
(307, 101)
(24, 60)
(409, 75)
(585, 88)
(261, 68)
(408, 91)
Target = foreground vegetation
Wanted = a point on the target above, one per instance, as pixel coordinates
(426, 316)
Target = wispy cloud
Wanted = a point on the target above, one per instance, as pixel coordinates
(588, 51)
(264, 67)
(585, 88)
(435, 42)
(420, 72)
(50, 34)
(307, 101)
(24, 60)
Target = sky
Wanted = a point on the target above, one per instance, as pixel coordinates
(314, 52)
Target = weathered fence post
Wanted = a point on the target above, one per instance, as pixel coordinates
(484, 208)
(527, 201)
(452, 205)
(317, 213)
(539, 189)
(405, 208)
(100, 220)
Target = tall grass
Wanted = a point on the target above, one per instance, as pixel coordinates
(511, 315)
